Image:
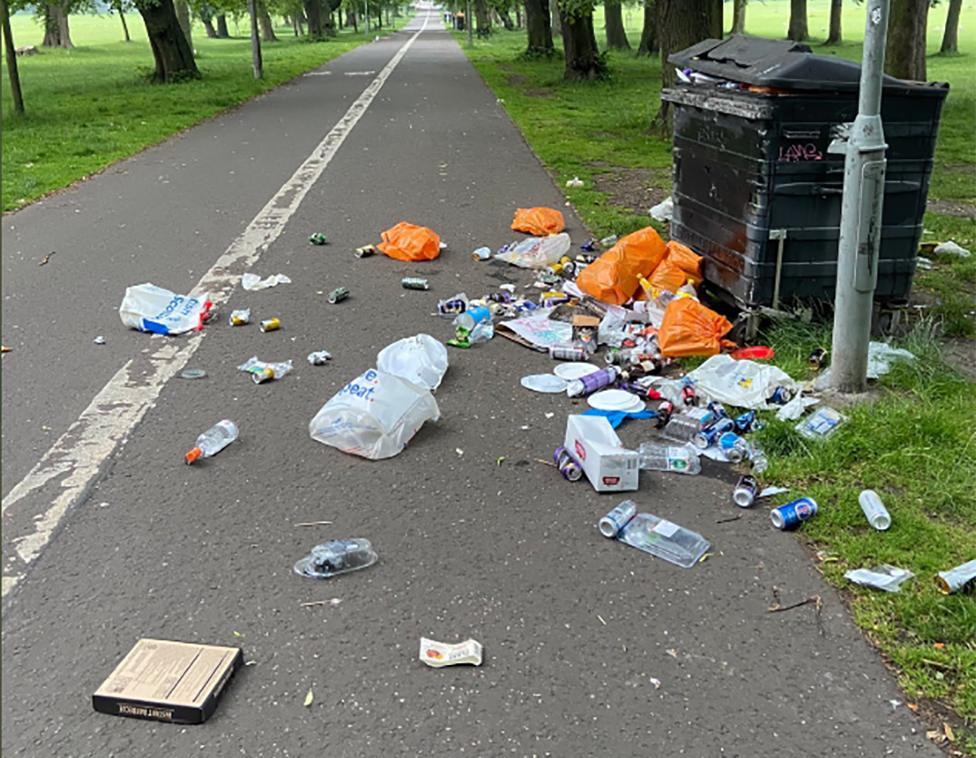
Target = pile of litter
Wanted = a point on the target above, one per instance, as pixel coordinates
(612, 321)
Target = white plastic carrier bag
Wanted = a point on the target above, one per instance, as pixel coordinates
(149, 308)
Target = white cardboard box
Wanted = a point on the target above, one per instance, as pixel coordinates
(608, 465)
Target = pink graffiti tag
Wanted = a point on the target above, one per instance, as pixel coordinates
(797, 153)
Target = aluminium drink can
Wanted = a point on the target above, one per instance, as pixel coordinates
(744, 494)
(270, 324)
(567, 465)
(794, 513)
(611, 524)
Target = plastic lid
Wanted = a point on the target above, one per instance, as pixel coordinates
(782, 64)
(193, 455)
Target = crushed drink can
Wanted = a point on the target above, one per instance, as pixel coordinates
(746, 422)
(317, 238)
(734, 447)
(414, 283)
(718, 409)
(481, 254)
(365, 251)
(338, 295)
(451, 307)
(568, 353)
(961, 579)
(240, 317)
(611, 524)
(270, 324)
(781, 396)
(567, 465)
(710, 435)
(794, 513)
(746, 489)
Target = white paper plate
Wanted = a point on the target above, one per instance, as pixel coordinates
(615, 400)
(544, 383)
(571, 371)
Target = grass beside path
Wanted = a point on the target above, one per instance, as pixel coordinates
(915, 443)
(93, 105)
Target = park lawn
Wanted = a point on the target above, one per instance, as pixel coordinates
(914, 443)
(93, 105)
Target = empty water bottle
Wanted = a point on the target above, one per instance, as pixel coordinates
(758, 459)
(212, 441)
(679, 460)
(874, 510)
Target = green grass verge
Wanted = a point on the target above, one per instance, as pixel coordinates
(599, 132)
(914, 443)
(93, 105)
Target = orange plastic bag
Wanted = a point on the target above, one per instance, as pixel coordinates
(668, 276)
(689, 328)
(688, 261)
(612, 278)
(409, 242)
(538, 221)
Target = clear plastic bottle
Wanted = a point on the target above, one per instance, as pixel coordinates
(679, 460)
(212, 441)
(590, 383)
(758, 459)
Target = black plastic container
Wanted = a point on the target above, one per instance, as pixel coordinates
(756, 190)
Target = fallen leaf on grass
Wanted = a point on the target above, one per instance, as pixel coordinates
(309, 697)
(913, 707)
(949, 734)
(938, 645)
(935, 735)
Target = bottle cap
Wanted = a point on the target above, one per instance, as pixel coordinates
(193, 455)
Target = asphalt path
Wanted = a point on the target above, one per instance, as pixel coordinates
(591, 648)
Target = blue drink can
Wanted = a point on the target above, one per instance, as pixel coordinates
(611, 524)
(735, 448)
(708, 437)
(792, 514)
(746, 422)
(781, 396)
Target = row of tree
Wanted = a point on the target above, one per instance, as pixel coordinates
(671, 25)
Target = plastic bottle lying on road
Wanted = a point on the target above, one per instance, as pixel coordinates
(681, 428)
(212, 441)
(680, 460)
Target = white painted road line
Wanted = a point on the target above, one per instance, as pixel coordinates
(106, 423)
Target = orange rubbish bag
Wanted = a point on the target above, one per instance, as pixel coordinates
(612, 278)
(688, 261)
(668, 276)
(538, 222)
(689, 328)
(409, 242)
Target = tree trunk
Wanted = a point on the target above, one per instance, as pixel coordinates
(506, 18)
(352, 19)
(52, 33)
(738, 16)
(648, 41)
(63, 30)
(614, 18)
(483, 25)
(11, 52)
(267, 25)
(538, 29)
(313, 12)
(518, 16)
(834, 35)
(209, 27)
(171, 51)
(555, 21)
(222, 32)
(583, 60)
(257, 62)
(950, 37)
(905, 51)
(183, 15)
(125, 26)
(680, 24)
(328, 22)
(798, 21)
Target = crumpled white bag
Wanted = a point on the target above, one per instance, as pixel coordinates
(745, 384)
(374, 416)
(880, 357)
(252, 282)
(420, 359)
(537, 252)
(149, 308)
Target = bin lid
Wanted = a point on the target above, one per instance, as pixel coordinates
(780, 64)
